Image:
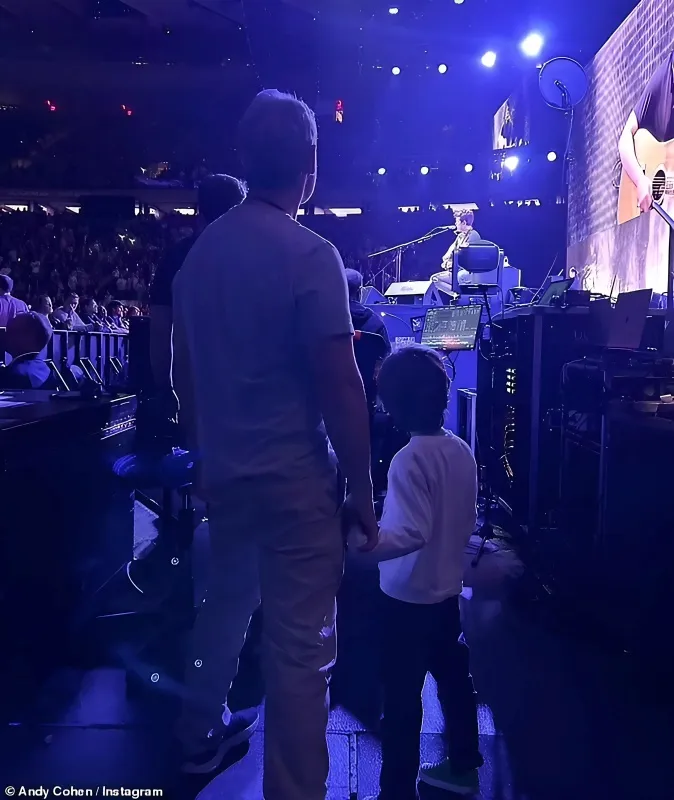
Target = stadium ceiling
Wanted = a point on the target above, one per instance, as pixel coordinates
(176, 13)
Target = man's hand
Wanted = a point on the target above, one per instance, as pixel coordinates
(359, 510)
(644, 194)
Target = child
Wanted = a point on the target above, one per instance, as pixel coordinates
(428, 518)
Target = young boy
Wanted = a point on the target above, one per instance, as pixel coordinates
(428, 518)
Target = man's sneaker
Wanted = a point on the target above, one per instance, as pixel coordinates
(442, 776)
(241, 727)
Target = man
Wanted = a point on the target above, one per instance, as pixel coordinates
(115, 319)
(90, 315)
(67, 315)
(653, 113)
(26, 337)
(254, 393)
(217, 195)
(44, 306)
(10, 306)
(465, 236)
(362, 318)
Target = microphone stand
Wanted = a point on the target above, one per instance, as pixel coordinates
(399, 249)
(668, 339)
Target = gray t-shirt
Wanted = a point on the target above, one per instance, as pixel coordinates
(255, 290)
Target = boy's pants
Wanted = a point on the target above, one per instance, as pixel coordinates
(282, 545)
(418, 639)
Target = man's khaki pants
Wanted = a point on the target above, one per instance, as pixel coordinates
(282, 544)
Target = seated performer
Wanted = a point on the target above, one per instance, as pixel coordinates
(465, 236)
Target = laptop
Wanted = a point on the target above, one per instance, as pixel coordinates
(452, 328)
(556, 290)
(628, 319)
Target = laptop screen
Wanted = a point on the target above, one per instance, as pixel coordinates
(452, 327)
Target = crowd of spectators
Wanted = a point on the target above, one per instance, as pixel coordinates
(72, 270)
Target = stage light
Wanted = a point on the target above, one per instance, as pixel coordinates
(459, 2)
(396, 70)
(425, 170)
(511, 163)
(469, 168)
(489, 59)
(532, 45)
(381, 171)
(442, 68)
(552, 156)
(393, 10)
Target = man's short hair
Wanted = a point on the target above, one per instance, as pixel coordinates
(218, 194)
(355, 282)
(413, 387)
(465, 216)
(276, 137)
(6, 283)
(27, 333)
(115, 304)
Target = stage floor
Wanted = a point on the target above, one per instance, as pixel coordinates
(559, 719)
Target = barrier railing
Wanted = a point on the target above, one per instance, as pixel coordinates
(101, 356)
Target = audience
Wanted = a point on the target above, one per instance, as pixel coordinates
(255, 409)
(26, 337)
(10, 306)
(364, 319)
(429, 516)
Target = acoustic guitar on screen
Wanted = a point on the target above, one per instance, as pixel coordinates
(657, 161)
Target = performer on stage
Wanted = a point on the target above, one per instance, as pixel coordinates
(465, 235)
(653, 113)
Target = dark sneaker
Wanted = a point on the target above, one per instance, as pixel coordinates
(241, 727)
(442, 776)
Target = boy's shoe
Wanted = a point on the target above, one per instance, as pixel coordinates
(442, 776)
(241, 727)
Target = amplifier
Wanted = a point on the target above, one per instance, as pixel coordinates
(519, 408)
(414, 293)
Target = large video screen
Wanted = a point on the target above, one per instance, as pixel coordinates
(608, 237)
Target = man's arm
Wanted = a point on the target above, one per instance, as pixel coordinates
(342, 400)
(631, 165)
(182, 378)
(324, 323)
(161, 328)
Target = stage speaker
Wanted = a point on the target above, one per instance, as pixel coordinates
(414, 293)
(369, 296)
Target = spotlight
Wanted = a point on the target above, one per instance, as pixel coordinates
(459, 2)
(469, 168)
(381, 171)
(393, 10)
(511, 163)
(425, 170)
(532, 45)
(442, 68)
(552, 156)
(396, 70)
(489, 59)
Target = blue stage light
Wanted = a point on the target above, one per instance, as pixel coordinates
(489, 59)
(425, 170)
(442, 68)
(511, 163)
(552, 156)
(393, 10)
(396, 70)
(469, 168)
(381, 171)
